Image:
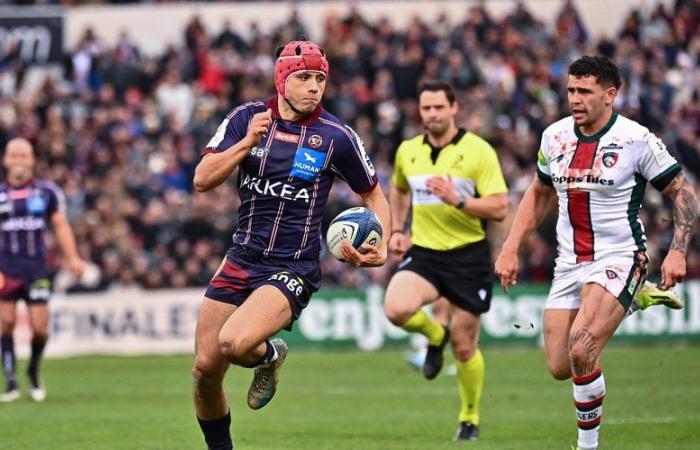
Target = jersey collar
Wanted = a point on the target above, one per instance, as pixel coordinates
(582, 137)
(21, 186)
(435, 151)
(305, 121)
(460, 134)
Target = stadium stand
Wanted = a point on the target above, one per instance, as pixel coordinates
(122, 131)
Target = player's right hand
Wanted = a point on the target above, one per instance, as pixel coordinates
(506, 267)
(77, 267)
(258, 127)
(398, 244)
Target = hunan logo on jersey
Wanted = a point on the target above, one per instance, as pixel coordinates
(307, 163)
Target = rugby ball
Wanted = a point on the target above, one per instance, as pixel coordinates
(355, 225)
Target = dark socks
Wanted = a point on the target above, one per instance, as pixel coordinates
(269, 355)
(33, 369)
(9, 361)
(217, 432)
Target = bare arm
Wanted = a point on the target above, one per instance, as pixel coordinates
(685, 204)
(530, 214)
(66, 240)
(373, 256)
(491, 207)
(400, 202)
(215, 168)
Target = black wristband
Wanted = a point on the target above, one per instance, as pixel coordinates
(462, 201)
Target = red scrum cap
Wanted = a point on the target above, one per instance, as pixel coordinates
(295, 57)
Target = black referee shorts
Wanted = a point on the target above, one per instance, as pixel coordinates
(463, 275)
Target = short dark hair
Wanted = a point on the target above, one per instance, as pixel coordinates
(436, 86)
(604, 70)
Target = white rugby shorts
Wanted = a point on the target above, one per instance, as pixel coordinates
(621, 275)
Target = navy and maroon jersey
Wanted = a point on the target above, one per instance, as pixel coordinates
(284, 181)
(25, 213)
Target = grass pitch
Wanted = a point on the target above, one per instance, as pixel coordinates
(358, 401)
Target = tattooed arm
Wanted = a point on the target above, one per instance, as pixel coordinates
(685, 204)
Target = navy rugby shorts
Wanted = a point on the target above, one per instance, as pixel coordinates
(244, 271)
(25, 279)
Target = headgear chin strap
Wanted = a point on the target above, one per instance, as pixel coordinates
(298, 56)
(292, 106)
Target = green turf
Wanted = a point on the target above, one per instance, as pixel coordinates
(353, 400)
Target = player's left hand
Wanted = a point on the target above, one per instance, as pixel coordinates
(672, 269)
(77, 267)
(443, 188)
(372, 256)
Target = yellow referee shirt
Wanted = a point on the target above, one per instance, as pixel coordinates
(472, 164)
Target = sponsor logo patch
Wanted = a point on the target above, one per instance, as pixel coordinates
(307, 163)
(292, 282)
(36, 204)
(259, 152)
(613, 146)
(582, 179)
(286, 137)
(610, 274)
(274, 188)
(19, 194)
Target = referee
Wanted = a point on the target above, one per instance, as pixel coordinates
(453, 181)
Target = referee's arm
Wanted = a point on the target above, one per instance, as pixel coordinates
(491, 207)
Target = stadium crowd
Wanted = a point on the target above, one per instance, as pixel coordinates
(121, 132)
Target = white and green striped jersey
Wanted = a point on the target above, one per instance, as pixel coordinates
(600, 182)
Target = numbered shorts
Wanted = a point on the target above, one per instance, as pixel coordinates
(24, 279)
(243, 272)
(462, 275)
(621, 275)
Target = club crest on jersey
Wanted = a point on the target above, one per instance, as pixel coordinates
(307, 163)
(610, 274)
(610, 159)
(315, 141)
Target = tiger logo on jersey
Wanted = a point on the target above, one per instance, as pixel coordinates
(610, 159)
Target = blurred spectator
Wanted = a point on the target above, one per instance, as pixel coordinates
(122, 132)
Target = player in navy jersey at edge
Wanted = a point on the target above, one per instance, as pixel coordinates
(287, 151)
(27, 206)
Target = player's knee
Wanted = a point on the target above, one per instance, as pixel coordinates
(234, 348)
(7, 326)
(40, 335)
(396, 313)
(559, 371)
(580, 357)
(463, 348)
(205, 373)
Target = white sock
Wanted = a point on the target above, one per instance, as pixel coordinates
(270, 355)
(274, 356)
(589, 392)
